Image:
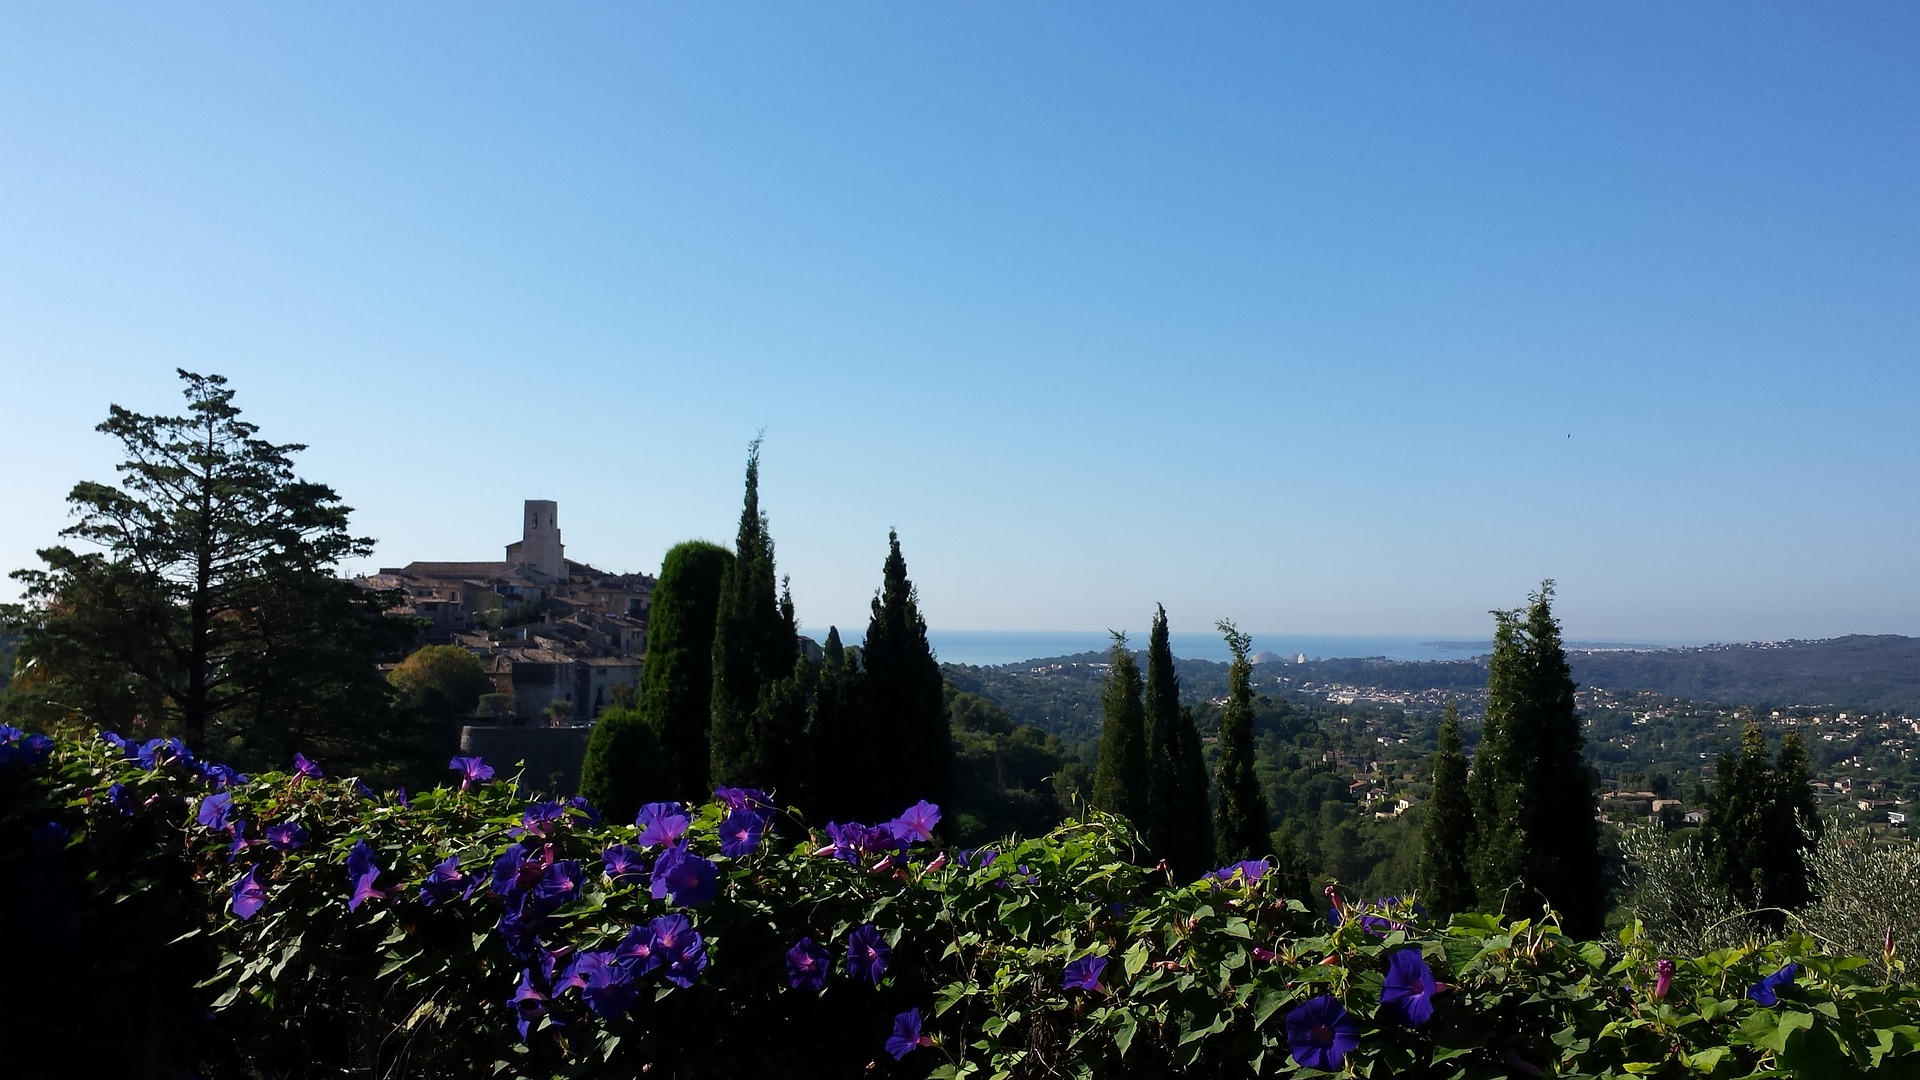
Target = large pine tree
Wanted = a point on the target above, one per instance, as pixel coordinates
(754, 646)
(1179, 825)
(1761, 823)
(1240, 819)
(1446, 831)
(1120, 777)
(904, 702)
(1533, 804)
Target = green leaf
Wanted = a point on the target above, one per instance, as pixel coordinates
(1135, 959)
(1123, 1032)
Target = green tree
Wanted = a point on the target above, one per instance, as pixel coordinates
(210, 608)
(1179, 825)
(1240, 818)
(835, 730)
(442, 682)
(625, 765)
(1762, 824)
(1446, 830)
(1120, 776)
(1533, 805)
(905, 707)
(754, 645)
(676, 680)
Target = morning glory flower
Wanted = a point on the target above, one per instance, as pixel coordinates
(520, 868)
(365, 888)
(249, 896)
(807, 965)
(444, 882)
(528, 1004)
(520, 925)
(1407, 993)
(1084, 974)
(906, 1037)
(689, 879)
(1662, 979)
(541, 819)
(120, 797)
(585, 809)
(744, 798)
(682, 950)
(559, 884)
(286, 836)
(662, 823)
(305, 768)
(606, 986)
(359, 860)
(1767, 991)
(155, 753)
(1248, 872)
(622, 862)
(472, 770)
(240, 841)
(219, 775)
(114, 740)
(214, 811)
(867, 954)
(917, 822)
(740, 833)
(1320, 1033)
(637, 950)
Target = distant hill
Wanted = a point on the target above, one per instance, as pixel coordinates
(1878, 672)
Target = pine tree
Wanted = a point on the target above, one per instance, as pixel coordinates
(676, 685)
(1120, 777)
(754, 644)
(905, 708)
(1446, 833)
(1179, 825)
(1532, 796)
(1240, 820)
(1761, 824)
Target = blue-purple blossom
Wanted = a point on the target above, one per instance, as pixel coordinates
(286, 836)
(542, 819)
(744, 799)
(18, 747)
(606, 986)
(917, 822)
(120, 797)
(740, 834)
(807, 965)
(114, 740)
(359, 860)
(1248, 872)
(240, 842)
(688, 878)
(579, 805)
(622, 862)
(867, 954)
(1084, 974)
(220, 775)
(156, 753)
(361, 789)
(472, 771)
(520, 925)
(1320, 1033)
(906, 1037)
(249, 896)
(444, 882)
(214, 811)
(520, 868)
(366, 888)
(305, 768)
(1766, 992)
(662, 823)
(637, 951)
(1406, 995)
(681, 949)
(853, 842)
(560, 884)
(977, 859)
(528, 1004)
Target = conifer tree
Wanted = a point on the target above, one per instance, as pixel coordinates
(1761, 823)
(904, 703)
(1120, 777)
(754, 645)
(1240, 819)
(676, 680)
(1532, 798)
(624, 767)
(1446, 833)
(834, 733)
(1179, 825)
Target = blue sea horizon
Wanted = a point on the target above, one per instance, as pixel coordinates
(992, 648)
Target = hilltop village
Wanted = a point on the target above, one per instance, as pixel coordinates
(562, 640)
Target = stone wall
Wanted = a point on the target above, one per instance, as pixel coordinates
(553, 755)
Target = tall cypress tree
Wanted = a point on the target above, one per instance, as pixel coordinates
(1532, 799)
(1761, 823)
(1179, 825)
(1120, 778)
(1446, 833)
(676, 683)
(905, 705)
(834, 734)
(1240, 819)
(754, 645)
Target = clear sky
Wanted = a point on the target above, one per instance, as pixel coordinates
(1335, 318)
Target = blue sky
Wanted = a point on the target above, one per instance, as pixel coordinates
(1327, 318)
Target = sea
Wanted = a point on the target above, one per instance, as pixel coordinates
(993, 648)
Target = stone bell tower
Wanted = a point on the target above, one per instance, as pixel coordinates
(539, 545)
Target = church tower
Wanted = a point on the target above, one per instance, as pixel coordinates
(539, 545)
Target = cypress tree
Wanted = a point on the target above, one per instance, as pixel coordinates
(1532, 799)
(834, 733)
(754, 644)
(1120, 778)
(1179, 825)
(905, 707)
(1446, 833)
(624, 767)
(1761, 823)
(1240, 819)
(676, 682)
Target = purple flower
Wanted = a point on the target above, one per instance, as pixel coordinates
(662, 823)
(581, 806)
(214, 810)
(520, 924)
(365, 888)
(444, 882)
(472, 771)
(916, 823)
(114, 740)
(305, 769)
(220, 776)
(682, 951)
(120, 797)
(623, 862)
(1084, 974)
(744, 798)
(605, 985)
(240, 842)
(1407, 993)
(867, 954)
(853, 842)
(286, 836)
(688, 878)
(1249, 872)
(807, 965)
(560, 884)
(1767, 991)
(155, 753)
(528, 1004)
(1662, 979)
(740, 833)
(519, 868)
(1320, 1034)
(359, 860)
(906, 1037)
(637, 950)
(978, 859)
(542, 819)
(249, 896)
(361, 789)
